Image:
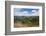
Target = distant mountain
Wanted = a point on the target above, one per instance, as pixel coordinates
(22, 17)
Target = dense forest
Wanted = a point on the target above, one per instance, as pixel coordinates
(29, 21)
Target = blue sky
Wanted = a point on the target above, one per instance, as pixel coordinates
(25, 11)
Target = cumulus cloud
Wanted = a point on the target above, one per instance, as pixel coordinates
(25, 13)
(33, 12)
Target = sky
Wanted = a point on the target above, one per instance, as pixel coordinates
(26, 12)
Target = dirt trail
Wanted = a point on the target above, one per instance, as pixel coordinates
(19, 25)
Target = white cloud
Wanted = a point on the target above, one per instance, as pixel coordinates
(25, 13)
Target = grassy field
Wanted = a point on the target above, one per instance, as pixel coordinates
(26, 21)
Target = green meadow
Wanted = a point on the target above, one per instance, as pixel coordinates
(26, 21)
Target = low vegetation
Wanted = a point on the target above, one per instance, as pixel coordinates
(30, 21)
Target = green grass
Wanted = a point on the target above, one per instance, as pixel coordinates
(29, 21)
